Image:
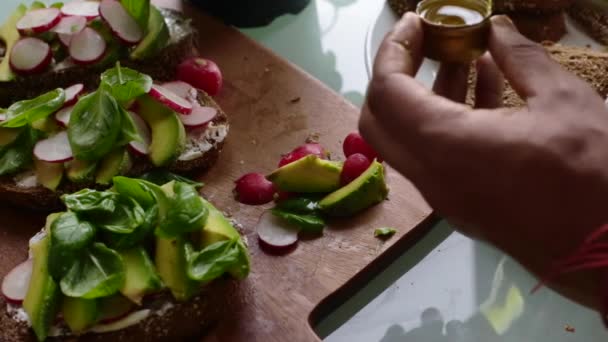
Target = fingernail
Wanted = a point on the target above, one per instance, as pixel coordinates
(502, 20)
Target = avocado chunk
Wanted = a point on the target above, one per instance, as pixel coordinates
(80, 314)
(309, 174)
(171, 264)
(141, 277)
(217, 228)
(48, 174)
(363, 192)
(81, 171)
(47, 125)
(9, 135)
(116, 163)
(43, 295)
(114, 306)
(10, 35)
(157, 38)
(168, 132)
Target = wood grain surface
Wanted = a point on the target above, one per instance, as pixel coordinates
(277, 301)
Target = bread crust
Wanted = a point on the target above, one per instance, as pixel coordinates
(593, 20)
(534, 6)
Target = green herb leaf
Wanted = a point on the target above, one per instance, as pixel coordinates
(139, 235)
(142, 191)
(162, 176)
(299, 205)
(95, 125)
(25, 112)
(312, 223)
(125, 84)
(384, 232)
(243, 267)
(139, 10)
(128, 130)
(69, 236)
(99, 272)
(127, 216)
(17, 155)
(186, 212)
(213, 261)
(91, 201)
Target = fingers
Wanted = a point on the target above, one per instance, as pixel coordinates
(490, 84)
(452, 81)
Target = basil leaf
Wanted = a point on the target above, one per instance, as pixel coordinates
(139, 235)
(125, 84)
(242, 268)
(213, 261)
(139, 190)
(384, 232)
(18, 154)
(299, 205)
(307, 222)
(128, 131)
(69, 236)
(127, 216)
(99, 272)
(162, 176)
(91, 201)
(186, 212)
(94, 126)
(25, 112)
(139, 10)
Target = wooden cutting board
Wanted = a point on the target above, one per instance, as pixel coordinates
(273, 107)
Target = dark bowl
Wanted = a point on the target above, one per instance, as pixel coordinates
(250, 13)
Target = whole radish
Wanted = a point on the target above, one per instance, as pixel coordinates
(201, 73)
(254, 189)
(303, 151)
(353, 167)
(354, 143)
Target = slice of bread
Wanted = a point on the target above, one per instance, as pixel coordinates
(203, 146)
(592, 19)
(502, 6)
(161, 67)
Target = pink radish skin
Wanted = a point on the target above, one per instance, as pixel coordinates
(38, 21)
(254, 189)
(353, 167)
(55, 149)
(17, 281)
(87, 9)
(72, 93)
(303, 151)
(2, 117)
(30, 56)
(354, 143)
(276, 233)
(201, 73)
(199, 117)
(170, 99)
(87, 47)
(141, 148)
(70, 25)
(121, 23)
(63, 116)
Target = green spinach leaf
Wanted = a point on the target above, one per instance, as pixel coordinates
(141, 191)
(312, 223)
(127, 216)
(95, 126)
(162, 176)
(91, 201)
(139, 235)
(128, 130)
(99, 272)
(300, 205)
(242, 268)
(139, 10)
(186, 212)
(385, 232)
(17, 155)
(25, 112)
(213, 261)
(69, 236)
(125, 84)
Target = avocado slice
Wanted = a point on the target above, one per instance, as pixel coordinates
(168, 132)
(116, 163)
(157, 38)
(47, 125)
(10, 35)
(43, 295)
(141, 276)
(171, 265)
(114, 306)
(8, 135)
(80, 314)
(81, 171)
(308, 174)
(363, 192)
(48, 174)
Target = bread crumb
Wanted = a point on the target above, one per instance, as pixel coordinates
(295, 99)
(569, 328)
(313, 138)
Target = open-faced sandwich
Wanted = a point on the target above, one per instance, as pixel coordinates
(59, 143)
(139, 262)
(72, 42)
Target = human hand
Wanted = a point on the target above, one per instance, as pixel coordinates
(532, 181)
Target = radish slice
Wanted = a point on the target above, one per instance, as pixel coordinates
(30, 56)
(87, 47)
(63, 116)
(70, 25)
(87, 9)
(38, 20)
(65, 39)
(17, 281)
(181, 89)
(121, 23)
(276, 233)
(199, 116)
(55, 149)
(170, 99)
(72, 93)
(2, 117)
(141, 148)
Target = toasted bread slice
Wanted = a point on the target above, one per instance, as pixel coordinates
(161, 67)
(205, 144)
(593, 19)
(502, 6)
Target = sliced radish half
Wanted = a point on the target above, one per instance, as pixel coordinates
(72, 93)
(38, 20)
(199, 116)
(141, 147)
(63, 116)
(87, 47)
(170, 99)
(30, 56)
(181, 89)
(55, 149)
(276, 233)
(70, 25)
(121, 23)
(2, 117)
(87, 9)
(65, 39)
(17, 282)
